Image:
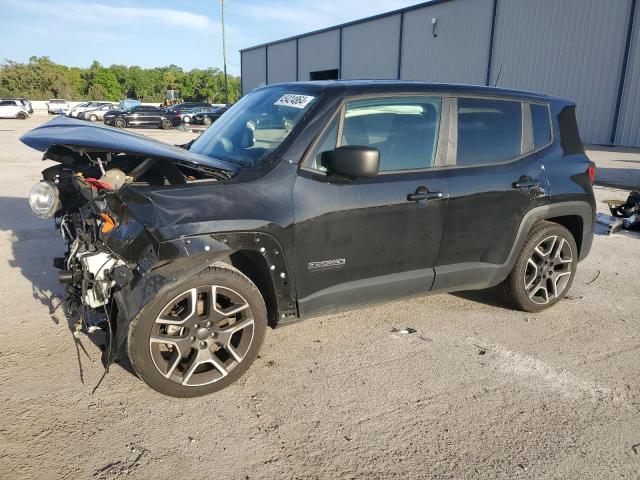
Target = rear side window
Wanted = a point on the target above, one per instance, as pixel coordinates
(569, 134)
(404, 130)
(541, 125)
(489, 131)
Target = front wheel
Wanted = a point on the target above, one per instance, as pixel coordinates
(201, 336)
(544, 271)
(93, 118)
(206, 120)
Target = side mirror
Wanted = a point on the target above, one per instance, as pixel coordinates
(353, 161)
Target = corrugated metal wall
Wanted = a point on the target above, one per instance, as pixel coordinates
(282, 62)
(253, 68)
(569, 48)
(316, 52)
(628, 133)
(460, 51)
(370, 49)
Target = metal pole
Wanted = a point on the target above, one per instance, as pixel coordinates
(224, 57)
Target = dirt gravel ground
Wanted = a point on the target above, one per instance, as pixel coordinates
(478, 391)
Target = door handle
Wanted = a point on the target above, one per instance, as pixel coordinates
(526, 183)
(422, 193)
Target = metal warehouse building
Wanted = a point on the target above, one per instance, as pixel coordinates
(585, 50)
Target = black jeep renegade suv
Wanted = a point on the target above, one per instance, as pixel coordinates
(307, 197)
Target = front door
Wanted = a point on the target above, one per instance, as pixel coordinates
(371, 239)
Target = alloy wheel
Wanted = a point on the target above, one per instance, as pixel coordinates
(201, 335)
(548, 269)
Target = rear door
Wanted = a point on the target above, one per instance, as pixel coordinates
(496, 176)
(371, 239)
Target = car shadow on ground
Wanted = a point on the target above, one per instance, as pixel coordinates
(34, 244)
(488, 297)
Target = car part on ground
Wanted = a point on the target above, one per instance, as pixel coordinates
(309, 197)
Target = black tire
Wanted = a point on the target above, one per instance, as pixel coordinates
(119, 123)
(22, 116)
(93, 118)
(513, 289)
(166, 124)
(206, 120)
(145, 324)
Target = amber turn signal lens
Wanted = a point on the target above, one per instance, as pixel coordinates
(108, 223)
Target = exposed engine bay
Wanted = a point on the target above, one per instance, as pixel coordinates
(83, 193)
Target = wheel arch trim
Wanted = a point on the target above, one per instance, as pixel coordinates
(480, 275)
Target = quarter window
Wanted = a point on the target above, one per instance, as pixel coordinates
(326, 144)
(541, 125)
(489, 131)
(404, 130)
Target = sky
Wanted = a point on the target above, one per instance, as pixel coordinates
(153, 33)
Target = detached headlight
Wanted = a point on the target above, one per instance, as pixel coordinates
(44, 200)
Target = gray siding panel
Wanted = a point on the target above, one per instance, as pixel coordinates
(282, 62)
(318, 52)
(370, 49)
(628, 133)
(253, 69)
(459, 53)
(569, 48)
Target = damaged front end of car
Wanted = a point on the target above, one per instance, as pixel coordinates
(111, 265)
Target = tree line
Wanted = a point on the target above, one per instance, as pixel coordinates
(42, 79)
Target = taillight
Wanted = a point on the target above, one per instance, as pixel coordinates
(591, 171)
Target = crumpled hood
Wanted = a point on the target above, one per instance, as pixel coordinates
(76, 134)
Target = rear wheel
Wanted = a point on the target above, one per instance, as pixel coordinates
(93, 118)
(22, 115)
(544, 271)
(166, 124)
(119, 123)
(201, 336)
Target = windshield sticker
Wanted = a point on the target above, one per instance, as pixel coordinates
(294, 100)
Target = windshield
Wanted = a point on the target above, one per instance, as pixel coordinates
(255, 126)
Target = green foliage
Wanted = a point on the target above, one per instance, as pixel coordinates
(41, 79)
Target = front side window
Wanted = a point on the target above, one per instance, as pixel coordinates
(404, 130)
(489, 131)
(255, 126)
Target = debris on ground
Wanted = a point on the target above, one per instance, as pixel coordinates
(623, 214)
(404, 331)
(612, 224)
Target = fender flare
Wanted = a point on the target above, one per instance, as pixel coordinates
(481, 275)
(184, 257)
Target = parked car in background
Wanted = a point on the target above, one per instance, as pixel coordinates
(142, 116)
(25, 103)
(13, 109)
(187, 106)
(379, 190)
(209, 116)
(97, 113)
(57, 105)
(83, 107)
(187, 115)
